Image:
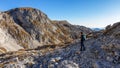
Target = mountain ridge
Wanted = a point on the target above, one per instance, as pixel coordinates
(32, 28)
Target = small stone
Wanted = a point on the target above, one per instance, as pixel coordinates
(52, 60)
(68, 64)
(78, 52)
(109, 58)
(51, 66)
(96, 65)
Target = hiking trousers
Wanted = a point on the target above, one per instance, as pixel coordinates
(82, 46)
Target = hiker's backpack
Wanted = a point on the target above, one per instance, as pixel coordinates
(84, 37)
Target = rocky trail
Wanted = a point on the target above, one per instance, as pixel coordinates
(43, 58)
(70, 56)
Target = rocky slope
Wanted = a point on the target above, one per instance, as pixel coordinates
(30, 28)
(101, 52)
(113, 30)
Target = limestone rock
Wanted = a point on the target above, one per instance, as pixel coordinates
(30, 28)
(68, 64)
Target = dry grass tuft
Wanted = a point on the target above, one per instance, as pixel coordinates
(2, 50)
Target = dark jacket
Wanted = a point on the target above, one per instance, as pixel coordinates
(83, 38)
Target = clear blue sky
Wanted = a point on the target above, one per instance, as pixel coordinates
(90, 13)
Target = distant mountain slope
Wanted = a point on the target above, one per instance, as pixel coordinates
(97, 29)
(30, 28)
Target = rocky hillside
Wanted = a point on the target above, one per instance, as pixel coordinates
(101, 52)
(27, 28)
(113, 30)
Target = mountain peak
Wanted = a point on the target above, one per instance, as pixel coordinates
(26, 12)
(23, 9)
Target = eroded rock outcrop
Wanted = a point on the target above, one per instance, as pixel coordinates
(31, 28)
(113, 30)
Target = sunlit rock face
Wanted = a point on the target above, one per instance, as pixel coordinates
(30, 28)
(113, 30)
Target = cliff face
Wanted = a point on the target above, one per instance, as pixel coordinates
(7, 42)
(30, 28)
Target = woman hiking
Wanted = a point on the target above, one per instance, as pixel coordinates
(83, 38)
